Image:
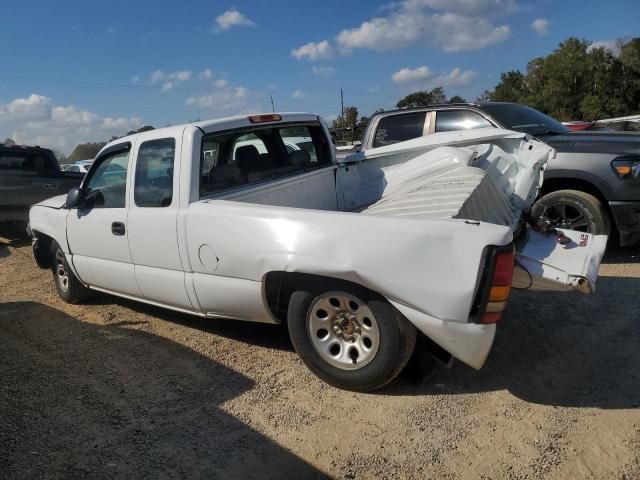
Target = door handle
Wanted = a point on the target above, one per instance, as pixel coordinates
(117, 228)
(49, 186)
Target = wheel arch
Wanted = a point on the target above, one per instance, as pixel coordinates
(42, 249)
(278, 286)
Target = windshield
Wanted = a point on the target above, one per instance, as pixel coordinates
(524, 119)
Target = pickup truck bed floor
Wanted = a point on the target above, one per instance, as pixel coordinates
(459, 192)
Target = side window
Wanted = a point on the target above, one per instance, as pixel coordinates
(452, 120)
(107, 186)
(154, 173)
(399, 128)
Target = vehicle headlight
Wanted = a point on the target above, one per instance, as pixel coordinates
(627, 167)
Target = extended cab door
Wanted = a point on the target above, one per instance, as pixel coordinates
(152, 222)
(97, 232)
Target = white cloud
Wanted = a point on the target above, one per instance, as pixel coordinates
(34, 107)
(182, 76)
(135, 79)
(36, 120)
(169, 80)
(206, 74)
(323, 71)
(298, 94)
(610, 45)
(112, 30)
(447, 25)
(232, 18)
(450, 32)
(313, 51)
(411, 75)
(464, 7)
(221, 83)
(423, 77)
(70, 116)
(455, 78)
(373, 89)
(227, 98)
(540, 26)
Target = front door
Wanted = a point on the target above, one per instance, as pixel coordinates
(97, 233)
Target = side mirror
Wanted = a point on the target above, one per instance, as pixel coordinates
(75, 198)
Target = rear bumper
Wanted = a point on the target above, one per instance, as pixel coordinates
(627, 218)
(468, 342)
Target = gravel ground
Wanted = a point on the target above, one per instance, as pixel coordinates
(114, 389)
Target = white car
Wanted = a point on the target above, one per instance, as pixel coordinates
(220, 219)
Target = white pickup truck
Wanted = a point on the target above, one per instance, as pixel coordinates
(251, 218)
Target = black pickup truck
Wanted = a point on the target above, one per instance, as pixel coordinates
(29, 175)
(592, 185)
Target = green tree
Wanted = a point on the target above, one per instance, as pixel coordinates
(512, 87)
(457, 99)
(61, 157)
(577, 81)
(630, 63)
(85, 151)
(423, 98)
(345, 128)
(484, 96)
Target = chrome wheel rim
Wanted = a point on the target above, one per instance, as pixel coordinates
(343, 330)
(562, 215)
(62, 276)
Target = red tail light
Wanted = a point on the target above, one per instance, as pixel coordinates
(499, 284)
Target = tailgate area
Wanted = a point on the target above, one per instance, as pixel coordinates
(542, 263)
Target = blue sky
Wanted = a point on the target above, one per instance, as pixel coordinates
(83, 71)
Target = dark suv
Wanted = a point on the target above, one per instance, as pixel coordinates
(592, 185)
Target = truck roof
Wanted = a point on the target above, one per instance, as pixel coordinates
(219, 124)
(23, 148)
(440, 105)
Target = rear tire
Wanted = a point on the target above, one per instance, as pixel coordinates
(361, 341)
(68, 286)
(574, 210)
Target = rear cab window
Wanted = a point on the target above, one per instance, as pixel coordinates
(399, 128)
(258, 154)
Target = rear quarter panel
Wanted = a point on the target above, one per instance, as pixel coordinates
(430, 266)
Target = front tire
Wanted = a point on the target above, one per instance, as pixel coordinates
(349, 337)
(573, 210)
(68, 286)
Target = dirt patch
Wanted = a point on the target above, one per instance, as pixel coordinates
(116, 389)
